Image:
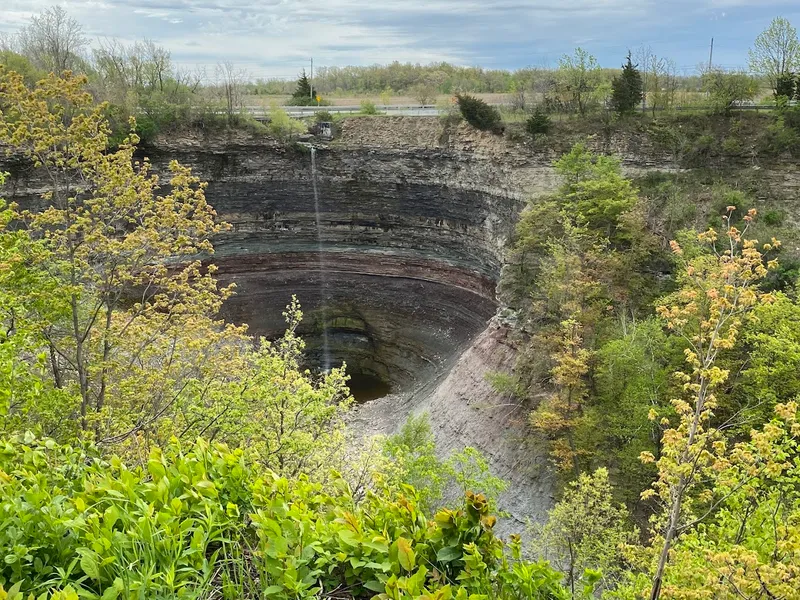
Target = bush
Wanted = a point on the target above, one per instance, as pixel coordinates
(538, 123)
(792, 118)
(368, 108)
(323, 115)
(412, 459)
(731, 145)
(773, 218)
(726, 89)
(704, 146)
(777, 138)
(479, 114)
(204, 521)
(282, 126)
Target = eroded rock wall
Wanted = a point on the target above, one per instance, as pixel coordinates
(395, 261)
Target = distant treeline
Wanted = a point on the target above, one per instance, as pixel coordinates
(141, 79)
(435, 78)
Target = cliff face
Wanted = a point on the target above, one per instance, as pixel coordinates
(411, 240)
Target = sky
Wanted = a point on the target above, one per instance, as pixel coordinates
(276, 38)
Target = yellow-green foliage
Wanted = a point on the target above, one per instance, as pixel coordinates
(108, 317)
(281, 125)
(586, 531)
(202, 520)
(409, 457)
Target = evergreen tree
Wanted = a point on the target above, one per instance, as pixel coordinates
(538, 123)
(786, 85)
(479, 114)
(627, 89)
(303, 95)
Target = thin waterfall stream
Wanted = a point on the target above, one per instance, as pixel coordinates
(326, 355)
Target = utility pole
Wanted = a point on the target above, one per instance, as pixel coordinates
(711, 54)
(311, 92)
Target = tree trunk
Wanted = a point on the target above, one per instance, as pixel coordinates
(101, 396)
(83, 379)
(54, 366)
(679, 490)
(669, 535)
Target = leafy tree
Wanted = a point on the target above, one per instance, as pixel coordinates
(579, 78)
(725, 89)
(661, 82)
(630, 378)
(479, 114)
(140, 80)
(27, 396)
(22, 65)
(595, 190)
(106, 289)
(281, 125)
(627, 89)
(293, 424)
(776, 51)
(772, 340)
(748, 547)
(576, 264)
(586, 531)
(138, 299)
(424, 93)
(557, 416)
(716, 291)
(409, 458)
(140, 67)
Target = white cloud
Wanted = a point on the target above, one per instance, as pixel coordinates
(276, 37)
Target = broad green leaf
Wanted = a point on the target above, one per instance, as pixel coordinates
(405, 554)
(375, 586)
(89, 565)
(448, 554)
(273, 589)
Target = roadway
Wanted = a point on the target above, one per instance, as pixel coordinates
(298, 112)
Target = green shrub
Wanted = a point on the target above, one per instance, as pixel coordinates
(323, 115)
(368, 108)
(778, 138)
(723, 197)
(204, 521)
(479, 114)
(731, 145)
(538, 123)
(282, 126)
(792, 118)
(411, 458)
(773, 218)
(705, 144)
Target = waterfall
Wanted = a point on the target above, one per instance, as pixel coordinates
(326, 355)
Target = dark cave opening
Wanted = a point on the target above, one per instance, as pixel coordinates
(365, 387)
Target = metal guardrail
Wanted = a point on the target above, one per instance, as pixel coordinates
(260, 112)
(430, 110)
